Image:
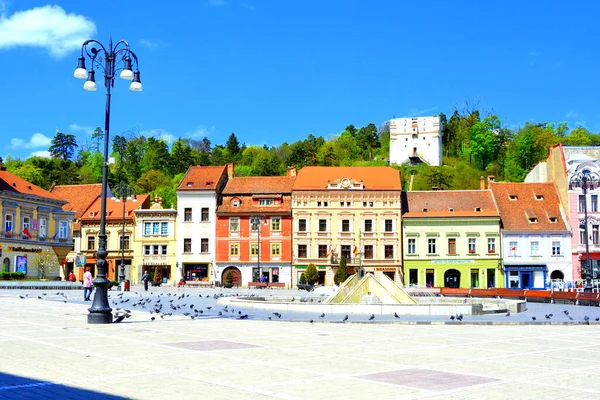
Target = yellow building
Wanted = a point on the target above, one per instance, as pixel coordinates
(351, 212)
(33, 222)
(155, 244)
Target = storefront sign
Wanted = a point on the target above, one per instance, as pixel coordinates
(385, 269)
(25, 249)
(275, 271)
(21, 264)
(452, 261)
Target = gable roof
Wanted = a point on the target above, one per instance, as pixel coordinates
(260, 185)
(529, 206)
(373, 178)
(449, 203)
(200, 177)
(79, 197)
(12, 183)
(114, 208)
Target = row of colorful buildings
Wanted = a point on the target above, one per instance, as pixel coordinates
(515, 235)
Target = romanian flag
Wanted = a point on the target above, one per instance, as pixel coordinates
(9, 231)
(27, 233)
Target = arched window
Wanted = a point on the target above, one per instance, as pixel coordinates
(6, 265)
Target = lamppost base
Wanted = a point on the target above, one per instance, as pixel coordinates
(100, 318)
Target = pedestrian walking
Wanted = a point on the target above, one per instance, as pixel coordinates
(146, 279)
(87, 284)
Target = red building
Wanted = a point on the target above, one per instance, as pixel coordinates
(254, 229)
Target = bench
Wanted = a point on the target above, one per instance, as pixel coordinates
(259, 285)
(199, 283)
(276, 285)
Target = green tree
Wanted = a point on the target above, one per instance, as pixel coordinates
(440, 177)
(483, 141)
(233, 147)
(311, 274)
(97, 137)
(181, 157)
(342, 272)
(155, 156)
(266, 164)
(63, 146)
(151, 180)
(46, 263)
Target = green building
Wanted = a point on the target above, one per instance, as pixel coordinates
(451, 239)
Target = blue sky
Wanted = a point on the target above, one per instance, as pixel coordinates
(274, 71)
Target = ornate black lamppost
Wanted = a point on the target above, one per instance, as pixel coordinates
(586, 180)
(100, 311)
(123, 192)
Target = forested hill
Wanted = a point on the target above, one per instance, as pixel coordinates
(474, 145)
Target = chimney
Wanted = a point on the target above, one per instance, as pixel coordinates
(2, 167)
(291, 171)
(491, 178)
(481, 183)
(230, 170)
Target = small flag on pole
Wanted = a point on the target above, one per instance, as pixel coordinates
(355, 250)
(27, 233)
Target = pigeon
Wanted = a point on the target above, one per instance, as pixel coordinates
(311, 321)
(586, 319)
(22, 297)
(548, 316)
(597, 319)
(293, 299)
(372, 317)
(220, 313)
(345, 318)
(152, 318)
(508, 314)
(245, 316)
(322, 315)
(40, 297)
(459, 317)
(119, 319)
(396, 315)
(533, 318)
(452, 317)
(566, 312)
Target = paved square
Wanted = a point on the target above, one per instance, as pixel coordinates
(428, 379)
(210, 345)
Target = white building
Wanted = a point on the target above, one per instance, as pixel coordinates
(416, 140)
(197, 197)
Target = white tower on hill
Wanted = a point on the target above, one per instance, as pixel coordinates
(416, 140)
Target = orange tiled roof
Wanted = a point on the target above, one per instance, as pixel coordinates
(449, 203)
(249, 205)
(12, 183)
(79, 197)
(260, 185)
(373, 178)
(114, 209)
(200, 177)
(521, 203)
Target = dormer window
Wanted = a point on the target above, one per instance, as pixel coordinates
(513, 197)
(533, 220)
(189, 184)
(553, 219)
(451, 209)
(266, 202)
(91, 214)
(235, 203)
(424, 210)
(539, 197)
(477, 209)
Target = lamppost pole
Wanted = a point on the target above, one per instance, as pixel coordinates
(100, 311)
(124, 192)
(585, 179)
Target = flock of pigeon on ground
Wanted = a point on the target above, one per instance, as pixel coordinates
(167, 304)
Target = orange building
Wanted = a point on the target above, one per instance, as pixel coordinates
(254, 229)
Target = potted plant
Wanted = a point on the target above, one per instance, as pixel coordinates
(228, 280)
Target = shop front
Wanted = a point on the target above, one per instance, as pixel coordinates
(526, 276)
(196, 272)
(325, 274)
(481, 274)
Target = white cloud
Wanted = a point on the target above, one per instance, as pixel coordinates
(36, 140)
(201, 132)
(152, 44)
(82, 128)
(41, 153)
(572, 114)
(48, 27)
(420, 113)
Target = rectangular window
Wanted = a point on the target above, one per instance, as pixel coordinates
(234, 249)
(302, 251)
(124, 243)
(275, 223)
(535, 248)
(164, 228)
(595, 237)
(43, 232)
(472, 245)
(163, 249)
(322, 225)
(412, 246)
(556, 248)
(594, 204)
(266, 202)
(368, 225)
(345, 225)
(346, 251)
(492, 245)
(147, 249)
(388, 251)
(63, 229)
(452, 246)
(187, 214)
(203, 245)
(26, 223)
(322, 251)
(8, 224)
(431, 248)
(582, 236)
(369, 252)
(234, 224)
(204, 214)
(389, 225)
(155, 228)
(302, 225)
(512, 247)
(581, 203)
(187, 245)
(91, 243)
(147, 228)
(254, 223)
(155, 249)
(275, 249)
(254, 249)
